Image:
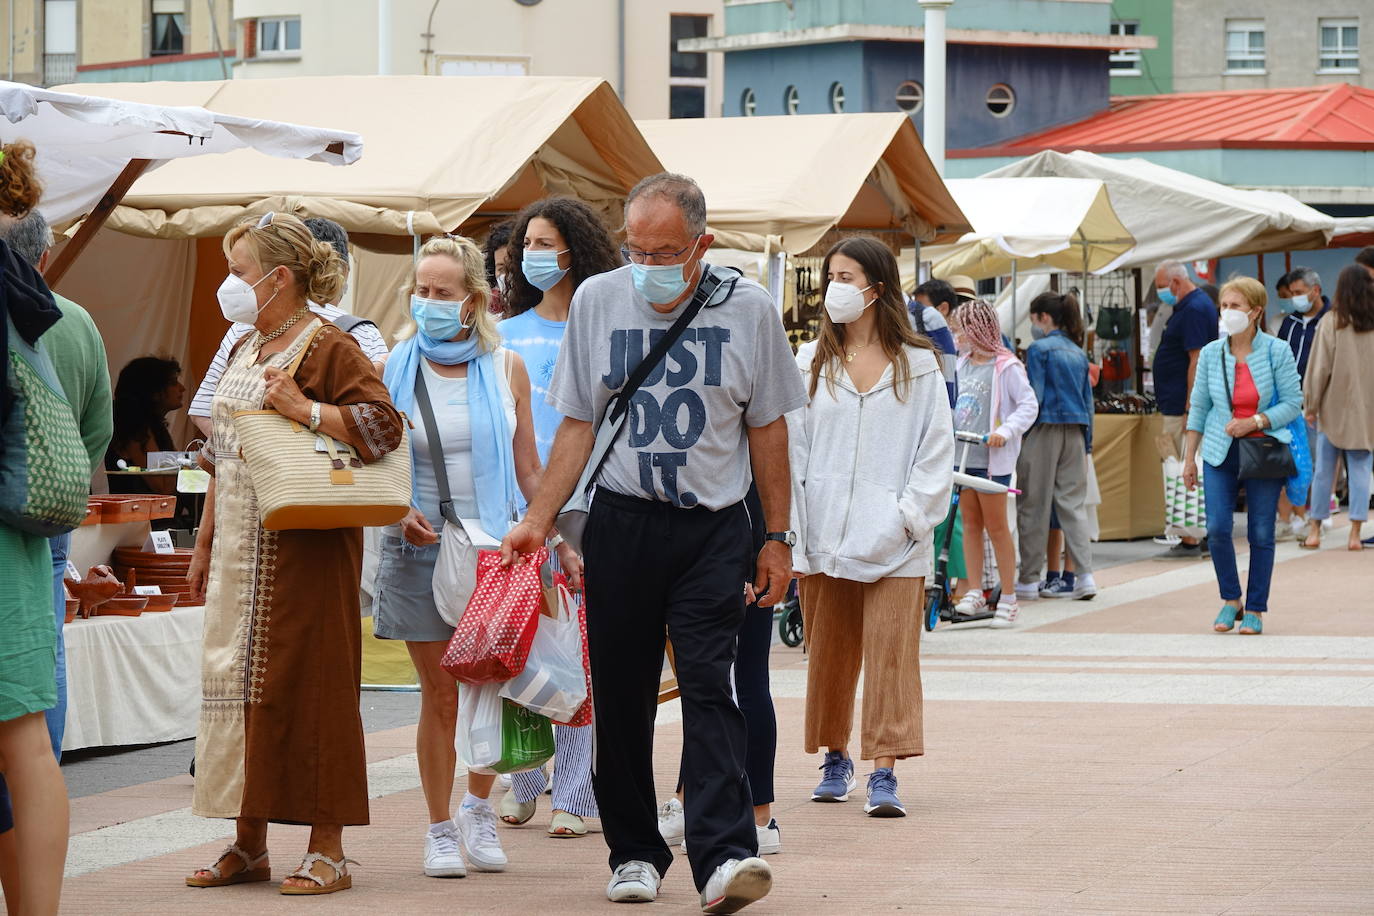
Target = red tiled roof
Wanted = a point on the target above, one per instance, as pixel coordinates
(1332, 117)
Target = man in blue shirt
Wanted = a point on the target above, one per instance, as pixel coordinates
(1302, 308)
(930, 308)
(1191, 327)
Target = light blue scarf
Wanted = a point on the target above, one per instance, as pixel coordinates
(493, 458)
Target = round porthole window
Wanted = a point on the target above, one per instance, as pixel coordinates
(790, 100)
(748, 105)
(910, 96)
(1001, 100)
(836, 98)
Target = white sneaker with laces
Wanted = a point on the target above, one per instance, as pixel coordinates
(1029, 591)
(1007, 612)
(735, 884)
(1298, 525)
(633, 882)
(477, 831)
(770, 838)
(1084, 587)
(443, 855)
(672, 822)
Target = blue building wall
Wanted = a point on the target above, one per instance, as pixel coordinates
(179, 71)
(1008, 15)
(1052, 85)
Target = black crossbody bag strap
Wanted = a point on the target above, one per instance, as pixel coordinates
(436, 448)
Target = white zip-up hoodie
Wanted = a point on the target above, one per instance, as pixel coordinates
(871, 475)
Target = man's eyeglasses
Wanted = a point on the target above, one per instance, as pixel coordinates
(656, 258)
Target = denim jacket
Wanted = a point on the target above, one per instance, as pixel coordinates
(1058, 372)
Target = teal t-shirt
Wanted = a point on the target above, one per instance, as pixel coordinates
(537, 340)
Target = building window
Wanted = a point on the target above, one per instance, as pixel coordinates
(910, 96)
(1340, 46)
(837, 98)
(687, 82)
(279, 36)
(748, 105)
(1245, 46)
(169, 27)
(790, 100)
(59, 42)
(1125, 61)
(1001, 100)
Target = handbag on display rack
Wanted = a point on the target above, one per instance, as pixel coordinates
(309, 480)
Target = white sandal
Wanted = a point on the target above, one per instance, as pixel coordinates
(342, 879)
(254, 869)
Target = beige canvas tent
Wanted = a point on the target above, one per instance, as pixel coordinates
(801, 178)
(443, 154)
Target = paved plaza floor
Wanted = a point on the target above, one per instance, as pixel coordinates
(1109, 756)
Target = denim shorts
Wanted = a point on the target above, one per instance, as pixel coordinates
(1003, 479)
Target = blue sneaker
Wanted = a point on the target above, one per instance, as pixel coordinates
(1056, 588)
(838, 780)
(882, 795)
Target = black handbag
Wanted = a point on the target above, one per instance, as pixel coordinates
(1261, 457)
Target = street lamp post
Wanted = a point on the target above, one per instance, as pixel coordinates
(934, 138)
(384, 37)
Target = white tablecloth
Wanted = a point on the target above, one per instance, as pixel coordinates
(133, 680)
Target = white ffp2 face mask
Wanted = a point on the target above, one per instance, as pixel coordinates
(237, 300)
(844, 302)
(1233, 321)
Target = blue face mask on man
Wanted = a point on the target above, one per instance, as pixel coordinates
(1295, 304)
(660, 283)
(1166, 295)
(542, 270)
(438, 319)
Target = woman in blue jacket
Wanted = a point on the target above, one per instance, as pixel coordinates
(1052, 469)
(1246, 386)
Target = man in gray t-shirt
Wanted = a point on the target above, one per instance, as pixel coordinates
(668, 541)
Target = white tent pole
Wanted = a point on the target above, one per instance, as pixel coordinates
(383, 37)
(934, 53)
(1014, 285)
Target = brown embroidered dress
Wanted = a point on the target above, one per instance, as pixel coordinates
(280, 734)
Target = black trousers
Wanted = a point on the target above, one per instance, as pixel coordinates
(651, 568)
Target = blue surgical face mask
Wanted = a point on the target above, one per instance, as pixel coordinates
(1295, 304)
(438, 319)
(661, 283)
(1166, 295)
(541, 268)
(1038, 333)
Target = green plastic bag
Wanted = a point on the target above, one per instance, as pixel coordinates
(496, 735)
(955, 570)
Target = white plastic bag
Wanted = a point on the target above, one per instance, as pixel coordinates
(455, 573)
(553, 682)
(478, 738)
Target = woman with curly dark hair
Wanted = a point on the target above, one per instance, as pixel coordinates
(555, 244)
(496, 253)
(147, 390)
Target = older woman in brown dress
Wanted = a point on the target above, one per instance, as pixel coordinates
(280, 735)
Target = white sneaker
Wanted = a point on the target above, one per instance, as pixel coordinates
(477, 831)
(1029, 591)
(672, 822)
(505, 780)
(1168, 540)
(1084, 587)
(633, 882)
(770, 838)
(1007, 612)
(736, 884)
(1298, 525)
(443, 854)
(973, 602)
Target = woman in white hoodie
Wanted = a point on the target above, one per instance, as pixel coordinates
(871, 460)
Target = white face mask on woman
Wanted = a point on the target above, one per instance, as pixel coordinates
(1233, 322)
(237, 300)
(844, 302)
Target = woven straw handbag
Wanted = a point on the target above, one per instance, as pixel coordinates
(300, 486)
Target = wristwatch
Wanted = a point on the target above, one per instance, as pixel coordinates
(787, 537)
(315, 415)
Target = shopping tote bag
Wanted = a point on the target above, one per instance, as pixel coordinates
(495, 735)
(493, 637)
(554, 682)
(1185, 510)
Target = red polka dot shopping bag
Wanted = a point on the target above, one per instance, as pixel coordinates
(493, 637)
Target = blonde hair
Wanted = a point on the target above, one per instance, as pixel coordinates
(19, 185)
(1250, 289)
(282, 240)
(470, 257)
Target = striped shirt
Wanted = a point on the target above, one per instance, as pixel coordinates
(366, 334)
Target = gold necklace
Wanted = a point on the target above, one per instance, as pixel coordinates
(286, 327)
(850, 354)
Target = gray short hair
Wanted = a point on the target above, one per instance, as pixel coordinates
(1172, 268)
(30, 237)
(1306, 275)
(326, 230)
(681, 190)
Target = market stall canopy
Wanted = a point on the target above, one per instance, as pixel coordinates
(443, 153)
(799, 177)
(85, 141)
(1173, 214)
(1059, 223)
(1353, 232)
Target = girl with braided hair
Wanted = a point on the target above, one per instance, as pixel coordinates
(995, 397)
